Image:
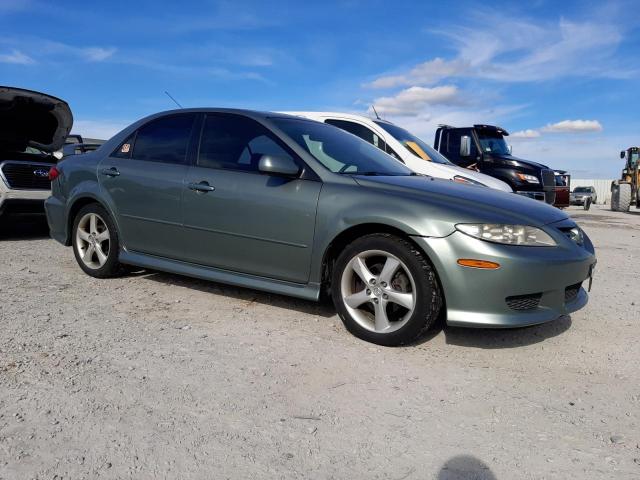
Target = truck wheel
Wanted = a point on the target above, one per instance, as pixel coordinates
(624, 201)
(615, 197)
(95, 242)
(385, 290)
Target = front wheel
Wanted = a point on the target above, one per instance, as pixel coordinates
(385, 290)
(95, 242)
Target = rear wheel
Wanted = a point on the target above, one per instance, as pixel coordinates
(95, 242)
(385, 290)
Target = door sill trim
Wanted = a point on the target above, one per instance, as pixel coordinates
(307, 291)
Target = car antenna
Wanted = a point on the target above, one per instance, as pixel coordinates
(174, 100)
(375, 111)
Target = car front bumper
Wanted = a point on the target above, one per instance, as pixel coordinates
(22, 201)
(548, 279)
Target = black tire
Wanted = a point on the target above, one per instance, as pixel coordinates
(615, 197)
(625, 197)
(111, 267)
(428, 297)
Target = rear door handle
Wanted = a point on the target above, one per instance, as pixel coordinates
(202, 187)
(110, 172)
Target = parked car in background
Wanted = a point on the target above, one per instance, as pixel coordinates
(580, 195)
(483, 147)
(33, 125)
(404, 147)
(77, 145)
(297, 207)
(563, 186)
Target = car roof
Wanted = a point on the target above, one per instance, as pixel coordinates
(352, 116)
(238, 111)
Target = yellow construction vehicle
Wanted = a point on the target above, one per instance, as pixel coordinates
(624, 192)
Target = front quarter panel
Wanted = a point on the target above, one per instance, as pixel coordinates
(345, 205)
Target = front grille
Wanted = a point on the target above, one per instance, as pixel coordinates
(23, 175)
(548, 178)
(524, 302)
(571, 292)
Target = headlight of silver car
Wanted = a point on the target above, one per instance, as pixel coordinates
(524, 235)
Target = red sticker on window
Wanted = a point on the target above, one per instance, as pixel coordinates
(125, 148)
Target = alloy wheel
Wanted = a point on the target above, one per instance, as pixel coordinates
(378, 291)
(93, 241)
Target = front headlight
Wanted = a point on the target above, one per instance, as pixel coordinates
(524, 235)
(468, 181)
(528, 178)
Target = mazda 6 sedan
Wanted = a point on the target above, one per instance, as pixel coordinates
(300, 208)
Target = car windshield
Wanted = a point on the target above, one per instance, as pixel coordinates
(339, 151)
(412, 143)
(582, 190)
(493, 142)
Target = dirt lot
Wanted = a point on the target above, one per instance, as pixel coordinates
(159, 376)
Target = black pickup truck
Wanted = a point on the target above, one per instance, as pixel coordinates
(483, 148)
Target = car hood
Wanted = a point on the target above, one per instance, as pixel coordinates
(479, 177)
(521, 161)
(32, 119)
(468, 203)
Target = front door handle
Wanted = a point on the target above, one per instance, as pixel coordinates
(110, 172)
(202, 187)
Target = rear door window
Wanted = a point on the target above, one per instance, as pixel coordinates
(164, 140)
(125, 148)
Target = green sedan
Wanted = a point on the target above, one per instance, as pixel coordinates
(300, 208)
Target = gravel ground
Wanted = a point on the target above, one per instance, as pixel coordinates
(159, 376)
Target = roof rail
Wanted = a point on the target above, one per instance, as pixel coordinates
(443, 125)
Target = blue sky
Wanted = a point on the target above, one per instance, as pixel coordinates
(562, 77)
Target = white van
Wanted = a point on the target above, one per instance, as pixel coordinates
(404, 147)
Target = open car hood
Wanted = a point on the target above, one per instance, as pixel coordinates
(32, 119)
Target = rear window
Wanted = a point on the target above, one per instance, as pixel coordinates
(164, 140)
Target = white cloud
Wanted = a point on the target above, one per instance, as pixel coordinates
(573, 126)
(16, 57)
(43, 51)
(513, 50)
(425, 73)
(528, 133)
(412, 101)
(96, 54)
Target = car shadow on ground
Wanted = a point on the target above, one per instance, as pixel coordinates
(467, 337)
(23, 227)
(492, 338)
(324, 308)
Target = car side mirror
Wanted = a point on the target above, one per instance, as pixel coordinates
(278, 165)
(622, 154)
(510, 149)
(465, 146)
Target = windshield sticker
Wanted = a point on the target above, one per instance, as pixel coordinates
(125, 148)
(419, 151)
